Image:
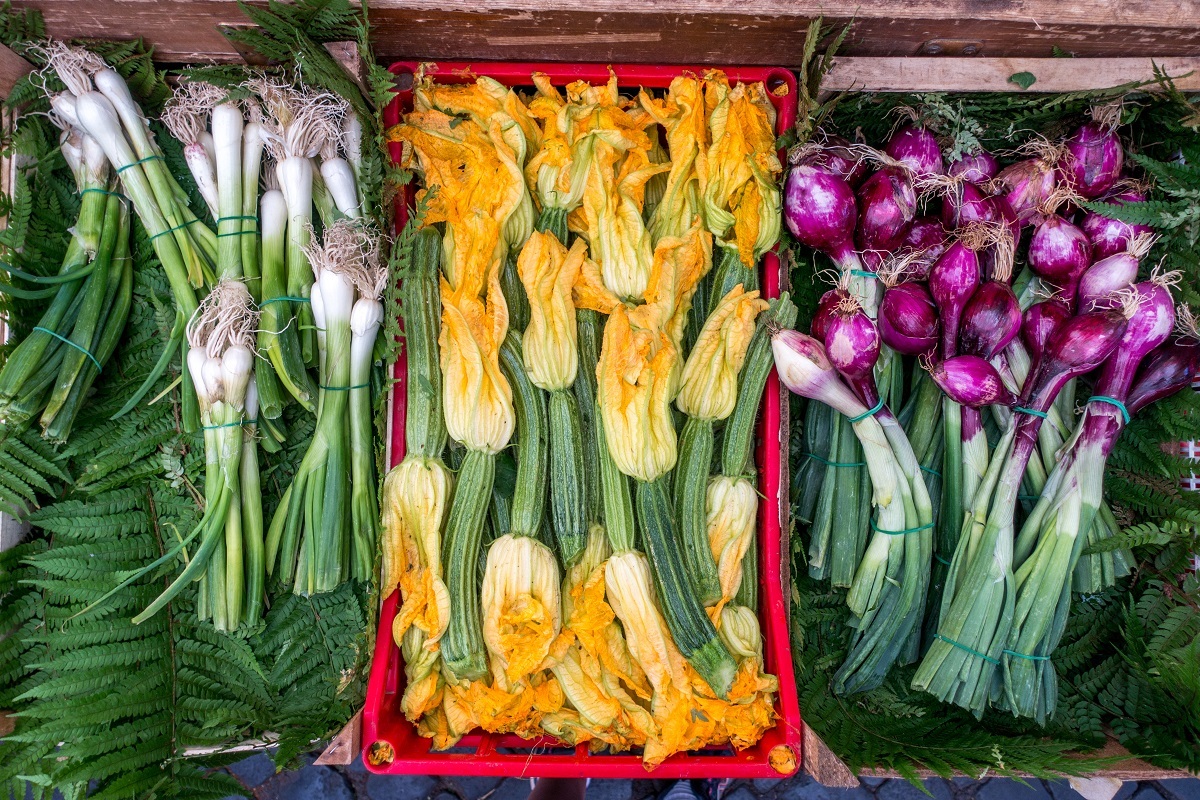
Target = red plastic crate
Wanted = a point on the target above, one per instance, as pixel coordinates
(482, 753)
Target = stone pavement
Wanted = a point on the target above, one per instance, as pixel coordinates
(257, 774)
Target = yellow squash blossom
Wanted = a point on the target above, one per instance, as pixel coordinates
(740, 632)
(520, 605)
(549, 272)
(679, 265)
(708, 387)
(416, 495)
(731, 509)
(681, 112)
(742, 196)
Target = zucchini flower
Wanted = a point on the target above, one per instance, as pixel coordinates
(630, 592)
(416, 496)
(475, 394)
(740, 631)
(679, 265)
(549, 273)
(682, 114)
(520, 602)
(557, 172)
(635, 389)
(742, 198)
(731, 507)
(708, 388)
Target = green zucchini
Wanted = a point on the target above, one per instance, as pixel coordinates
(424, 425)
(529, 404)
(728, 274)
(514, 294)
(554, 220)
(690, 626)
(588, 324)
(614, 495)
(463, 649)
(568, 506)
(747, 593)
(691, 489)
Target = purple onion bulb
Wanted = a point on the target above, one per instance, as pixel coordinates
(887, 206)
(908, 319)
(977, 168)
(1111, 236)
(990, 320)
(820, 211)
(971, 381)
(952, 281)
(917, 149)
(1104, 278)
(1092, 160)
(1025, 185)
(1059, 251)
(1040, 321)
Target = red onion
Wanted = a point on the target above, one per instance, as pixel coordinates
(1102, 279)
(1110, 236)
(1168, 369)
(1147, 328)
(952, 280)
(971, 381)
(965, 204)
(837, 156)
(1076, 347)
(1025, 185)
(1092, 160)
(977, 168)
(820, 211)
(825, 306)
(990, 320)
(852, 345)
(927, 240)
(917, 149)
(908, 319)
(1040, 321)
(1059, 252)
(887, 205)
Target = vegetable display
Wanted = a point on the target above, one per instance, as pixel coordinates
(613, 606)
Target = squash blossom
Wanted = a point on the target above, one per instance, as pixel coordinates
(708, 387)
(475, 394)
(742, 199)
(520, 602)
(681, 112)
(556, 173)
(731, 507)
(416, 497)
(740, 631)
(549, 346)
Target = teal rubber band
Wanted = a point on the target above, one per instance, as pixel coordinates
(862, 273)
(237, 424)
(1015, 654)
(345, 388)
(962, 646)
(938, 558)
(139, 161)
(238, 233)
(178, 227)
(847, 465)
(1033, 412)
(108, 192)
(1028, 497)
(904, 532)
(65, 340)
(266, 303)
(237, 216)
(872, 412)
(1112, 401)
(931, 471)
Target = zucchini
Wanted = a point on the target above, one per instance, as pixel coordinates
(553, 220)
(614, 494)
(589, 337)
(747, 593)
(463, 649)
(529, 404)
(728, 274)
(514, 295)
(568, 506)
(424, 425)
(687, 621)
(691, 489)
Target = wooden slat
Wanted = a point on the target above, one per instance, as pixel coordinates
(993, 74)
(693, 31)
(12, 69)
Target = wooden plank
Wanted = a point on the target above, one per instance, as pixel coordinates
(12, 69)
(993, 74)
(346, 746)
(693, 31)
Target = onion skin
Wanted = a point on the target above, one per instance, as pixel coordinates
(908, 319)
(820, 211)
(837, 157)
(917, 149)
(887, 206)
(1059, 251)
(952, 281)
(928, 238)
(977, 168)
(1026, 185)
(1168, 369)
(824, 312)
(1040, 321)
(990, 320)
(971, 381)
(1111, 236)
(1103, 278)
(1093, 160)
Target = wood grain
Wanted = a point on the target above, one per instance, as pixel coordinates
(992, 74)
(12, 69)
(696, 31)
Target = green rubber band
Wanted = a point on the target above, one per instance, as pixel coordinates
(178, 227)
(65, 340)
(872, 412)
(962, 646)
(938, 558)
(345, 388)
(108, 192)
(847, 465)
(1033, 412)
(139, 161)
(1028, 497)
(282, 299)
(237, 216)
(904, 532)
(238, 233)
(1112, 401)
(237, 424)
(862, 273)
(931, 471)
(1015, 654)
